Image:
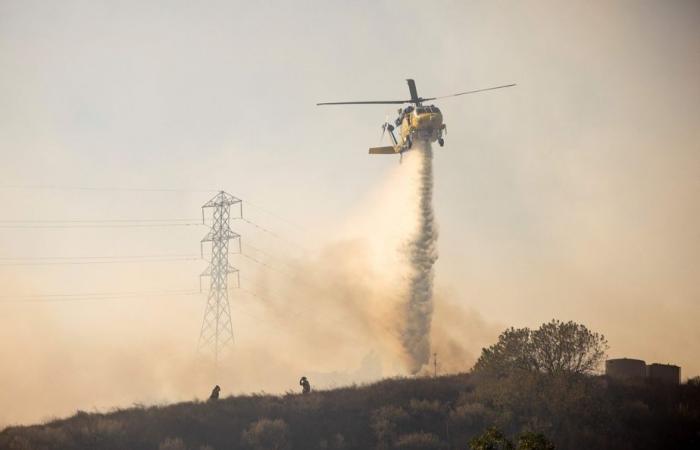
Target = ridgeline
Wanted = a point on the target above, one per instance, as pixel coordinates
(448, 412)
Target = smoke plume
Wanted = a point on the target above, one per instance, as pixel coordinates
(422, 254)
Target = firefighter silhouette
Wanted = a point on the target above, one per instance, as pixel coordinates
(215, 393)
(305, 385)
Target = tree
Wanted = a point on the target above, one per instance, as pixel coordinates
(513, 351)
(172, 444)
(386, 422)
(491, 439)
(534, 441)
(266, 434)
(418, 441)
(554, 348)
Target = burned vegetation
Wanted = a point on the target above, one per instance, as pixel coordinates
(452, 412)
(533, 389)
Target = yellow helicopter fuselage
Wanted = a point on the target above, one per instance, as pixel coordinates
(423, 123)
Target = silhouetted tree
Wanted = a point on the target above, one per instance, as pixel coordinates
(419, 441)
(491, 439)
(266, 434)
(172, 444)
(554, 348)
(386, 422)
(512, 352)
(534, 441)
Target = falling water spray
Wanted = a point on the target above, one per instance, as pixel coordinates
(422, 254)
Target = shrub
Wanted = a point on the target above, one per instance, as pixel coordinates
(172, 444)
(386, 422)
(267, 434)
(469, 415)
(337, 442)
(491, 439)
(534, 441)
(418, 441)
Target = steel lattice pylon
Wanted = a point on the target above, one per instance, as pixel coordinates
(217, 330)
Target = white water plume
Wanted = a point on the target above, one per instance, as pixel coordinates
(422, 254)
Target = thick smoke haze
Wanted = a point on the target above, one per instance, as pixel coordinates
(339, 316)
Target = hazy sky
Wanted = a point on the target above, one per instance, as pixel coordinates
(572, 196)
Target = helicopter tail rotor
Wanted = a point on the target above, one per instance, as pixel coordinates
(390, 128)
(387, 126)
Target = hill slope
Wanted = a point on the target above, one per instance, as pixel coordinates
(444, 412)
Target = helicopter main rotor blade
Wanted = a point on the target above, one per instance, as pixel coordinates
(412, 89)
(471, 92)
(372, 102)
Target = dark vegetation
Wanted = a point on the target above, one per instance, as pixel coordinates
(497, 406)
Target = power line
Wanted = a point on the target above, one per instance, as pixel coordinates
(137, 189)
(30, 226)
(266, 211)
(97, 188)
(267, 266)
(83, 262)
(272, 233)
(93, 296)
(267, 254)
(65, 221)
(98, 294)
(34, 258)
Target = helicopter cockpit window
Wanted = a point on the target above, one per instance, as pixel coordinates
(421, 111)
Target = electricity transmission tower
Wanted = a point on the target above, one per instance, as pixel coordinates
(217, 330)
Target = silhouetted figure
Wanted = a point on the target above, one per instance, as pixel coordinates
(215, 393)
(305, 385)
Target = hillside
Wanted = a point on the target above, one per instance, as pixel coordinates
(444, 412)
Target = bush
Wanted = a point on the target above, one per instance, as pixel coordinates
(386, 422)
(418, 441)
(534, 441)
(266, 434)
(337, 442)
(172, 444)
(491, 439)
(470, 415)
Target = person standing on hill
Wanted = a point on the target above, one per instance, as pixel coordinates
(215, 393)
(305, 385)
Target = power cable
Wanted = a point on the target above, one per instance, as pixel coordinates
(64, 221)
(267, 254)
(257, 261)
(94, 188)
(98, 225)
(83, 262)
(48, 298)
(270, 213)
(272, 233)
(42, 258)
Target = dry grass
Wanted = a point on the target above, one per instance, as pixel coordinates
(446, 412)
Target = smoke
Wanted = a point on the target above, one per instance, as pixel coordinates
(357, 310)
(422, 254)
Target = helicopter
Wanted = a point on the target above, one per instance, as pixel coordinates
(416, 122)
